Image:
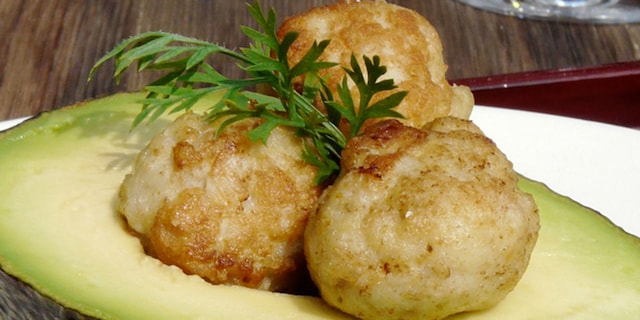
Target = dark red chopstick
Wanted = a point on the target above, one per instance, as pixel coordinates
(609, 93)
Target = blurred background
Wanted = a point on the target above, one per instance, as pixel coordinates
(48, 46)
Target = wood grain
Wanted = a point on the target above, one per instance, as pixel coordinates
(48, 46)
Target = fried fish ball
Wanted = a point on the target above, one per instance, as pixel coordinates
(223, 207)
(407, 44)
(421, 224)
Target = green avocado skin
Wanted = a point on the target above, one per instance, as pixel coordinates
(59, 233)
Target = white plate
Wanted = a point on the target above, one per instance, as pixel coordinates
(10, 123)
(595, 164)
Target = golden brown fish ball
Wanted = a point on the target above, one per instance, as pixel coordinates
(407, 44)
(421, 224)
(223, 207)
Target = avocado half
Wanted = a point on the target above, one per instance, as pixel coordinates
(60, 235)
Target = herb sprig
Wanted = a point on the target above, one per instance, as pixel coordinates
(188, 78)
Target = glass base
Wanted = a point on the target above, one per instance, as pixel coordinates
(577, 11)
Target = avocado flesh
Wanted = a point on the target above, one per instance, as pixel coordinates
(59, 233)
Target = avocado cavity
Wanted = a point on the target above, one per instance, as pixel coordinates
(60, 234)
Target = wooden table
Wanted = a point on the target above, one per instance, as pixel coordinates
(48, 46)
